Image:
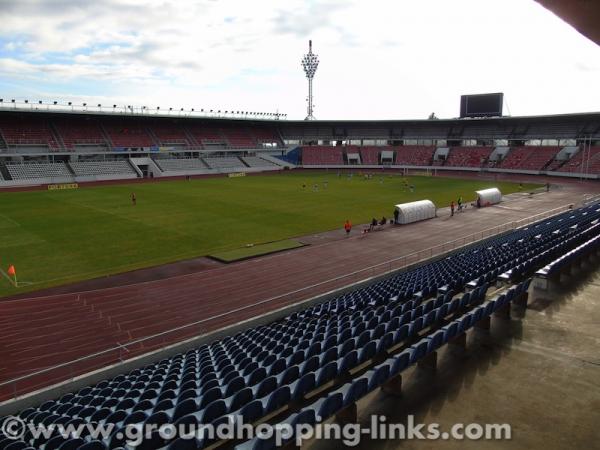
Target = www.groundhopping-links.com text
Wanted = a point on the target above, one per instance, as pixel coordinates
(350, 434)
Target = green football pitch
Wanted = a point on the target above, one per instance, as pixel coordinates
(58, 237)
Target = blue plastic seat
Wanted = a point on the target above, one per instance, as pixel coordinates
(302, 386)
(419, 350)
(378, 375)
(184, 444)
(71, 444)
(354, 391)
(328, 356)
(429, 318)
(348, 362)
(310, 365)
(265, 387)
(326, 373)
(181, 409)
(450, 331)
(290, 375)
(252, 411)
(212, 412)
(403, 332)
(328, 406)
(435, 341)
(386, 341)
(277, 399)
(400, 362)
(239, 399)
(92, 445)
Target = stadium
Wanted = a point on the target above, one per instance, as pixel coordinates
(171, 268)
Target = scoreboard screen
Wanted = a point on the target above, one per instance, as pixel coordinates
(481, 105)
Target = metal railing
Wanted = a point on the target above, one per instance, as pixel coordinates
(68, 370)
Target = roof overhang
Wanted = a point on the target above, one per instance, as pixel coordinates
(583, 15)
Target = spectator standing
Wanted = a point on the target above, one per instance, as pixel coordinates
(347, 227)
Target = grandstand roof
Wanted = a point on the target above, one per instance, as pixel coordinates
(584, 116)
(583, 15)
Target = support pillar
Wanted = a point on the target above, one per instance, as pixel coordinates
(483, 324)
(393, 386)
(429, 362)
(459, 341)
(347, 415)
(503, 312)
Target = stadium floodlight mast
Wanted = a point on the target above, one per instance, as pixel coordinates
(310, 62)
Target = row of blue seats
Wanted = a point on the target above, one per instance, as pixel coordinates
(350, 393)
(568, 258)
(551, 253)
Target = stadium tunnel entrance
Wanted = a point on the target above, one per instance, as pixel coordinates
(145, 167)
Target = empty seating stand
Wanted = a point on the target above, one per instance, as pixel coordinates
(128, 135)
(239, 137)
(258, 162)
(468, 156)
(585, 161)
(341, 402)
(401, 320)
(224, 162)
(414, 155)
(370, 155)
(529, 157)
(77, 133)
(207, 135)
(100, 168)
(181, 164)
(322, 155)
(32, 171)
(172, 134)
(28, 132)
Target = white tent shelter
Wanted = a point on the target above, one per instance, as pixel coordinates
(489, 196)
(415, 211)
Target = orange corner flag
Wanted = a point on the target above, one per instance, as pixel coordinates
(11, 271)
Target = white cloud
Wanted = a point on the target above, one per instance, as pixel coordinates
(379, 59)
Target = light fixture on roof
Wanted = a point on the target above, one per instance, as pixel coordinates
(310, 62)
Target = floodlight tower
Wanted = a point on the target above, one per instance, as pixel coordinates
(310, 62)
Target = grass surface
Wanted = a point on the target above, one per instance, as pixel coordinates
(56, 237)
(256, 250)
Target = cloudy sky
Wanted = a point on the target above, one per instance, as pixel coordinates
(379, 58)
